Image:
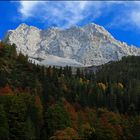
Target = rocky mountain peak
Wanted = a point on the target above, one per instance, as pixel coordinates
(23, 26)
(88, 45)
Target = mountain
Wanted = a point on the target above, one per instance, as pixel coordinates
(77, 46)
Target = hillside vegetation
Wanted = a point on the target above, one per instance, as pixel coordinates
(38, 103)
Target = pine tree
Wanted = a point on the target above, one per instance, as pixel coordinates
(4, 128)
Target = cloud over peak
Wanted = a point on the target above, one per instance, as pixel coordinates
(26, 8)
(60, 13)
(68, 13)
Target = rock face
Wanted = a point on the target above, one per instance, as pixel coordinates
(87, 45)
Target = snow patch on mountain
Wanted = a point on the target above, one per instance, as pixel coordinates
(59, 61)
(52, 60)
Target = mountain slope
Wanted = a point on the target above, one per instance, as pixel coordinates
(89, 45)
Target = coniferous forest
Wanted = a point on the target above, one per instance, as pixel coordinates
(48, 103)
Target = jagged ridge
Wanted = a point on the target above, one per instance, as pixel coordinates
(88, 45)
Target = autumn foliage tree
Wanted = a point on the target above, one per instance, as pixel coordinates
(6, 90)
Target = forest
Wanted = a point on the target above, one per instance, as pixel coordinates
(48, 103)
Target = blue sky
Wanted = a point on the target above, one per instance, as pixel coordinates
(121, 19)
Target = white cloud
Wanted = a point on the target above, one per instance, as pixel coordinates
(135, 18)
(26, 8)
(128, 17)
(135, 15)
(68, 13)
(56, 12)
